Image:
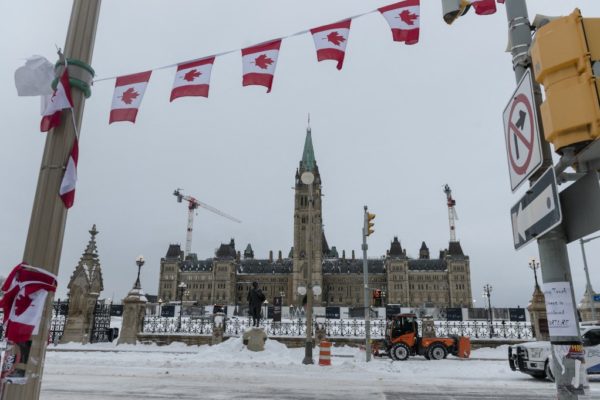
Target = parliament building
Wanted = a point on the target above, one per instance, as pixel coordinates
(441, 282)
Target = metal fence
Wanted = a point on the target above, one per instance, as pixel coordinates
(349, 328)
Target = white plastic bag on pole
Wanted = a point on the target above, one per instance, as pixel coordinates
(35, 77)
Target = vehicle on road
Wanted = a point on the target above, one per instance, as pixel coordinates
(402, 340)
(534, 358)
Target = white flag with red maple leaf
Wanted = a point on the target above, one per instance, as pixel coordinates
(25, 291)
(67, 185)
(330, 41)
(259, 64)
(403, 18)
(484, 7)
(129, 91)
(57, 101)
(192, 78)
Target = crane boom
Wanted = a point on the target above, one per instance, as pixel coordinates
(452, 216)
(193, 204)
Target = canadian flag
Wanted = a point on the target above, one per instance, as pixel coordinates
(403, 18)
(129, 91)
(25, 291)
(330, 41)
(484, 7)
(67, 186)
(57, 101)
(259, 64)
(192, 79)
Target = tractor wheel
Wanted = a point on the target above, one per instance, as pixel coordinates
(437, 352)
(399, 352)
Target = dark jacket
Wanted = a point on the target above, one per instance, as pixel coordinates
(255, 297)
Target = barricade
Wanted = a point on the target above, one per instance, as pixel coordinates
(325, 353)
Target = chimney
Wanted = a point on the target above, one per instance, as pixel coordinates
(237, 256)
(280, 256)
(270, 255)
(353, 254)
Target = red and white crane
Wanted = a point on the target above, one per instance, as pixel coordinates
(193, 204)
(452, 216)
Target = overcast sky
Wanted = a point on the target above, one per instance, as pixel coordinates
(389, 130)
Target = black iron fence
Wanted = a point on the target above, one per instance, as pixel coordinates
(334, 327)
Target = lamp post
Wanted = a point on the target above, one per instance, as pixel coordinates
(182, 286)
(308, 178)
(160, 303)
(140, 262)
(589, 290)
(487, 291)
(534, 265)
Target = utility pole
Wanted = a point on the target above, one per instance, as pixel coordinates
(367, 230)
(48, 217)
(552, 246)
(308, 178)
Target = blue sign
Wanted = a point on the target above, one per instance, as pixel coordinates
(597, 297)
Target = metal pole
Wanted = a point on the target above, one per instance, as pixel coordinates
(308, 346)
(366, 285)
(180, 308)
(589, 290)
(48, 217)
(552, 246)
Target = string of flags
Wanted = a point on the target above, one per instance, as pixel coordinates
(192, 77)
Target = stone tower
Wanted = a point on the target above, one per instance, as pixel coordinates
(84, 288)
(307, 247)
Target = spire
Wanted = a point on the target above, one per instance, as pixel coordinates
(91, 247)
(308, 156)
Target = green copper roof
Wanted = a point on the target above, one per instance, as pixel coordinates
(308, 156)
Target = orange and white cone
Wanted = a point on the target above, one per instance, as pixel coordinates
(325, 353)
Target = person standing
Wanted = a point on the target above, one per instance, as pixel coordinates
(255, 300)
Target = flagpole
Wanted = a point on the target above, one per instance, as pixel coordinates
(48, 217)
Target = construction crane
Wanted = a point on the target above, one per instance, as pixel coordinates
(193, 204)
(452, 216)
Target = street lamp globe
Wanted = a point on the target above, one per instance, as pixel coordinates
(316, 290)
(139, 261)
(301, 290)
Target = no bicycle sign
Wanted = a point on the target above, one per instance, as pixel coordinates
(521, 134)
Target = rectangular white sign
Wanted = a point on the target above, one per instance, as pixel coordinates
(562, 320)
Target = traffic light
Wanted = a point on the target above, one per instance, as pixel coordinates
(564, 58)
(369, 223)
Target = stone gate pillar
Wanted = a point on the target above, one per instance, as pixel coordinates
(134, 309)
(537, 313)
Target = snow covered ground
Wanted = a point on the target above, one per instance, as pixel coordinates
(229, 371)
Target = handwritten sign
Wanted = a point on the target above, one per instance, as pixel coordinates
(560, 309)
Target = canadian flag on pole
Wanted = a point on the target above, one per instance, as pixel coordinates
(67, 186)
(129, 91)
(259, 64)
(330, 41)
(57, 101)
(192, 79)
(25, 291)
(484, 7)
(403, 18)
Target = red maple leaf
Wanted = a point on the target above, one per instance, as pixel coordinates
(191, 75)
(263, 61)
(335, 38)
(22, 303)
(407, 17)
(129, 95)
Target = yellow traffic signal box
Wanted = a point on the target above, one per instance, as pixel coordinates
(563, 53)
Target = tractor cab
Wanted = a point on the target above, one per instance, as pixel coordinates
(403, 328)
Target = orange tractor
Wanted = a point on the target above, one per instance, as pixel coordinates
(402, 340)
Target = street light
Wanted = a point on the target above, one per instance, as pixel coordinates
(534, 265)
(487, 291)
(160, 303)
(182, 286)
(139, 261)
(589, 289)
(308, 178)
